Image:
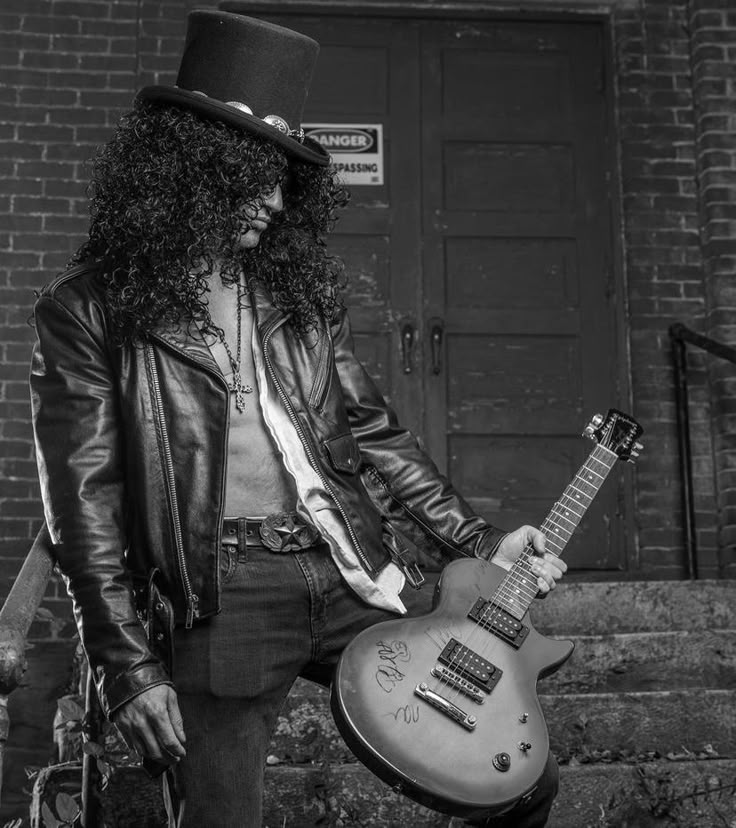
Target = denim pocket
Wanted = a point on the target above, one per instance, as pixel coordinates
(228, 563)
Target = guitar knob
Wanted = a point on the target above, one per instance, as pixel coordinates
(502, 762)
(524, 718)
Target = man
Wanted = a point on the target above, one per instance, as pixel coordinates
(204, 428)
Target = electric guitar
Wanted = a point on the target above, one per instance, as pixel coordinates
(443, 707)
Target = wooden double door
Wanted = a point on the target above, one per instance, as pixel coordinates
(482, 291)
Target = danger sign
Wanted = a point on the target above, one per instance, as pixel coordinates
(356, 150)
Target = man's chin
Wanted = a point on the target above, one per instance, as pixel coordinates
(249, 240)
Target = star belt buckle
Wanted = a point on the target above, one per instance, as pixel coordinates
(286, 532)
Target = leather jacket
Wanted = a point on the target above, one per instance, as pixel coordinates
(132, 450)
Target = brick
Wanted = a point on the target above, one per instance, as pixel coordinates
(65, 224)
(17, 151)
(55, 61)
(48, 98)
(41, 205)
(46, 169)
(45, 133)
(81, 45)
(111, 29)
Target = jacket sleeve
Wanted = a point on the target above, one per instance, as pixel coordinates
(81, 459)
(413, 490)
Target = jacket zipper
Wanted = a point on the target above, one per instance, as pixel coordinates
(191, 598)
(307, 447)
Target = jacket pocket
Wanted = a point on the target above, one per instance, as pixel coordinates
(344, 453)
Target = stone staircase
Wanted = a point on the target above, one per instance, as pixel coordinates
(642, 719)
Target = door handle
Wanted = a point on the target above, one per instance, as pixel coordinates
(407, 346)
(436, 336)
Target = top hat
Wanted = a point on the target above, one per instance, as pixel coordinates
(248, 73)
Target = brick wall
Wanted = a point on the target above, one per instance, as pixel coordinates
(712, 24)
(70, 69)
(664, 269)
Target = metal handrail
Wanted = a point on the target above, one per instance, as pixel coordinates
(680, 336)
(16, 617)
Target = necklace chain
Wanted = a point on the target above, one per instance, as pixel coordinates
(239, 387)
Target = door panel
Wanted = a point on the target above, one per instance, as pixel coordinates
(513, 237)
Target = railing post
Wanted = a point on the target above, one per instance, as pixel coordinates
(16, 617)
(679, 358)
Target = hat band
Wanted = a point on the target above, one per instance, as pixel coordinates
(275, 121)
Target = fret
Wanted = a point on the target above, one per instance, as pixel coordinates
(556, 531)
(559, 511)
(558, 547)
(569, 504)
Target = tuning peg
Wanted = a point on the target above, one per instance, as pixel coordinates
(589, 430)
(638, 447)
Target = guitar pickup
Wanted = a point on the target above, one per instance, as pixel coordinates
(491, 617)
(469, 666)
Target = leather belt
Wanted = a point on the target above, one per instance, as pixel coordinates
(281, 532)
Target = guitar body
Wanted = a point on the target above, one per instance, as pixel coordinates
(459, 766)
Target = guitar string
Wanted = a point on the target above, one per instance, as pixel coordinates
(518, 582)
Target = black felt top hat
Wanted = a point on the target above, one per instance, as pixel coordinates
(248, 73)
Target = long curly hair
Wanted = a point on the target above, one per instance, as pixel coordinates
(169, 195)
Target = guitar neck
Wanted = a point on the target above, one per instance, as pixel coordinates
(519, 588)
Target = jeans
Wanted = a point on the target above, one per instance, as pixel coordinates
(283, 616)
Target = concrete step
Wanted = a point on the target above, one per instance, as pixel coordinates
(582, 725)
(623, 606)
(636, 606)
(695, 794)
(630, 662)
(691, 794)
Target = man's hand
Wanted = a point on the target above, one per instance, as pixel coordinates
(151, 724)
(547, 567)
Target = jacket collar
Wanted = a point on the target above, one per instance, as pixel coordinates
(188, 340)
(266, 313)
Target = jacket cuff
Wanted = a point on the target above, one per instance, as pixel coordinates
(126, 686)
(489, 543)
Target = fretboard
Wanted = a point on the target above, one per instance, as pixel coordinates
(519, 588)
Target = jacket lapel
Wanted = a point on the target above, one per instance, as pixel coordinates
(188, 341)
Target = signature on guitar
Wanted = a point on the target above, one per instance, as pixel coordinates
(408, 714)
(388, 674)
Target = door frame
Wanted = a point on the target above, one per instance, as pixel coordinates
(560, 11)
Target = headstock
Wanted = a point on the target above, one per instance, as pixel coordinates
(617, 432)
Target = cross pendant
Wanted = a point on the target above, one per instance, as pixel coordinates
(240, 391)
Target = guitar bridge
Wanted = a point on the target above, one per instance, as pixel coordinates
(456, 713)
(491, 617)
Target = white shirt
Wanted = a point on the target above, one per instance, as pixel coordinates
(316, 506)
